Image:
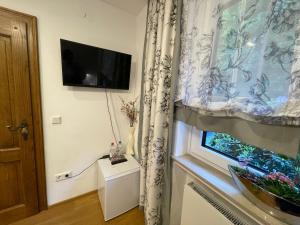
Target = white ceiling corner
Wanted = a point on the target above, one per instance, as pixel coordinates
(130, 6)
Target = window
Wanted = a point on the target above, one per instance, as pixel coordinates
(215, 146)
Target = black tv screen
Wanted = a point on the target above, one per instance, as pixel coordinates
(88, 66)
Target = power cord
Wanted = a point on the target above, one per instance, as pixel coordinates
(110, 118)
(114, 134)
(103, 157)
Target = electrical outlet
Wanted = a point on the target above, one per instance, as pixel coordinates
(63, 176)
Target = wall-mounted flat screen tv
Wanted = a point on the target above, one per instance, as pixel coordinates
(88, 66)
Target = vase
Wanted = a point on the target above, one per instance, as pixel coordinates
(271, 203)
(130, 143)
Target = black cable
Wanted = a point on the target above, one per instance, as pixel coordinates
(103, 157)
(114, 116)
(111, 123)
(113, 131)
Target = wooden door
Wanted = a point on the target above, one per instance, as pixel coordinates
(18, 172)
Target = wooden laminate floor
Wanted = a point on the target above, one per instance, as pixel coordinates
(85, 210)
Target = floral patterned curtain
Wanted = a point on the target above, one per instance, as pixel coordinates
(157, 105)
(240, 58)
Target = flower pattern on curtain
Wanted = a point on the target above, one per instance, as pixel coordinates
(241, 58)
(159, 50)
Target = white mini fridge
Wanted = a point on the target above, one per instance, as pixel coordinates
(118, 186)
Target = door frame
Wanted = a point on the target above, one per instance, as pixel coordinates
(36, 103)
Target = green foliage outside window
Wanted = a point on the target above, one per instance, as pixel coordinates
(263, 159)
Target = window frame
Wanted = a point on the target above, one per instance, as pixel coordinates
(203, 139)
(209, 156)
(227, 155)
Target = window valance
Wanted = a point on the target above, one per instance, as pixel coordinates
(241, 58)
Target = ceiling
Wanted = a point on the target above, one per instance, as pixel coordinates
(131, 6)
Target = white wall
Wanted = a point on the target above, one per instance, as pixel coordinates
(179, 179)
(85, 133)
(181, 143)
(140, 39)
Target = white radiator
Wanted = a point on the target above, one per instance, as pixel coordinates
(203, 207)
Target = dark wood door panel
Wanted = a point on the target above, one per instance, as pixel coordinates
(7, 114)
(13, 214)
(18, 183)
(10, 192)
(5, 28)
(10, 155)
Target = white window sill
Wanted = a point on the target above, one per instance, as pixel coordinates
(222, 184)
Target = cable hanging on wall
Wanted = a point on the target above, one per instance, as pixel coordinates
(110, 117)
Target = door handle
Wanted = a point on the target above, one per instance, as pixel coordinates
(23, 128)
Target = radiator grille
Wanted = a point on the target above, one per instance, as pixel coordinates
(229, 211)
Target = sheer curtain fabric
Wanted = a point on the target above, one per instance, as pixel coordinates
(240, 58)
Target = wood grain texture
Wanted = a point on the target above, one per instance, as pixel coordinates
(18, 196)
(6, 96)
(32, 68)
(9, 178)
(84, 210)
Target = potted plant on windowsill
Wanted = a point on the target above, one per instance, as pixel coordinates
(274, 193)
(130, 110)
